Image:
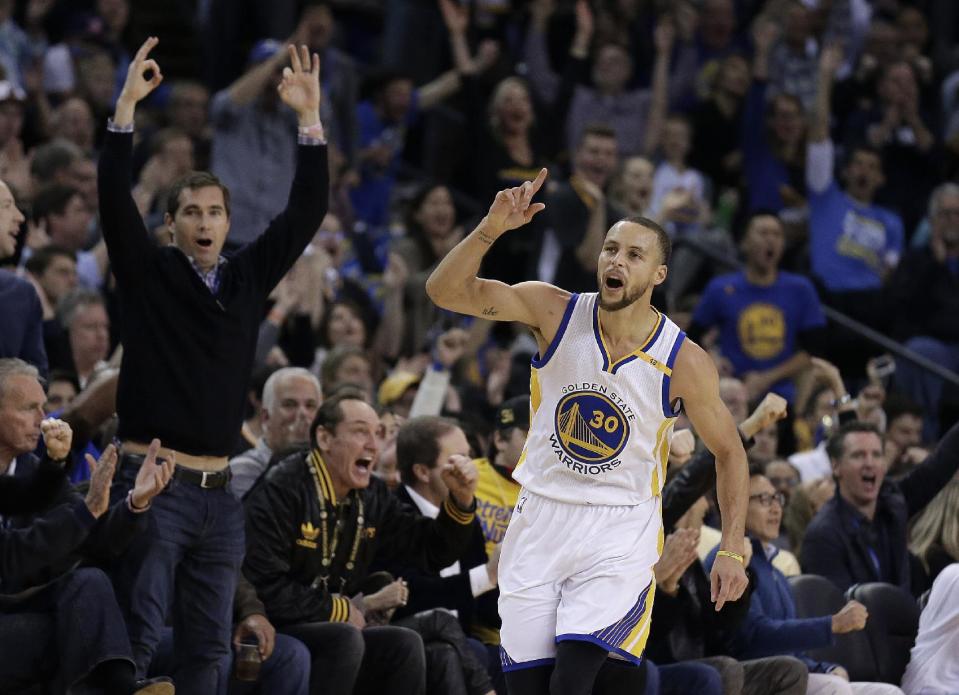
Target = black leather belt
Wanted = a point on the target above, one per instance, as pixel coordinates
(208, 480)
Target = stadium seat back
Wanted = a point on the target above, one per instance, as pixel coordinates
(817, 597)
(892, 626)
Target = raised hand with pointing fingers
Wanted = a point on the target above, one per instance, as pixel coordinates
(143, 76)
(300, 87)
(514, 207)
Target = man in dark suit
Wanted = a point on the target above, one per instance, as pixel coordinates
(423, 445)
(860, 534)
(62, 620)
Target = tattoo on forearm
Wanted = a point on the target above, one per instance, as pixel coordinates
(486, 238)
(490, 311)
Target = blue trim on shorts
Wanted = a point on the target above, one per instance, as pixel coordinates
(670, 361)
(619, 630)
(571, 636)
(538, 361)
(520, 665)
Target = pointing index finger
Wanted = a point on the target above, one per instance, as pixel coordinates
(145, 49)
(538, 181)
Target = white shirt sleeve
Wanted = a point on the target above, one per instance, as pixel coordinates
(479, 580)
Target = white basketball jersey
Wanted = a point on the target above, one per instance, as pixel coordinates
(600, 430)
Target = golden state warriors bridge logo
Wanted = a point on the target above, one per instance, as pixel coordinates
(591, 428)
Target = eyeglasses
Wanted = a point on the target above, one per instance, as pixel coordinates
(766, 499)
(784, 482)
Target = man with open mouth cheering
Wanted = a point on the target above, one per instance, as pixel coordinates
(189, 320)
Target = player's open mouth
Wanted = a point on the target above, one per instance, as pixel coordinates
(869, 480)
(205, 243)
(613, 283)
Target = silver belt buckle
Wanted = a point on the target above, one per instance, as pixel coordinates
(204, 478)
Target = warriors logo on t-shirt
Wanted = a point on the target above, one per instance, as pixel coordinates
(591, 427)
(762, 331)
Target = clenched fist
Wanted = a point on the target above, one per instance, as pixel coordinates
(57, 438)
(460, 475)
(771, 409)
(850, 618)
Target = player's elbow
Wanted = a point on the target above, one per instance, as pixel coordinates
(731, 456)
(435, 289)
(441, 292)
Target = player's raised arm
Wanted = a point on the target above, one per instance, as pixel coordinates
(696, 382)
(454, 284)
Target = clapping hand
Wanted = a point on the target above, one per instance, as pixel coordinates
(679, 552)
(152, 476)
(101, 477)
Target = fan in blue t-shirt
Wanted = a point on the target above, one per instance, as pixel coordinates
(766, 318)
(854, 243)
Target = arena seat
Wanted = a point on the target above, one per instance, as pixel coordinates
(816, 597)
(891, 628)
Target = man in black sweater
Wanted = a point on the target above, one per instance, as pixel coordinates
(188, 323)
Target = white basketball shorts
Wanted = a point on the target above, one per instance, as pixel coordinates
(577, 572)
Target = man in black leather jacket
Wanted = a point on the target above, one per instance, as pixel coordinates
(315, 522)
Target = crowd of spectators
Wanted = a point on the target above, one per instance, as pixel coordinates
(801, 154)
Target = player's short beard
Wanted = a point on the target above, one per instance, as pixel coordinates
(629, 298)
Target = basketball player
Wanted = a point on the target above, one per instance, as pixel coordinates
(612, 372)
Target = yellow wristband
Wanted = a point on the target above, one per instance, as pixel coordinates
(734, 556)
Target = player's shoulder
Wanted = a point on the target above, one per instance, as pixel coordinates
(693, 367)
(543, 291)
(546, 302)
(691, 354)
